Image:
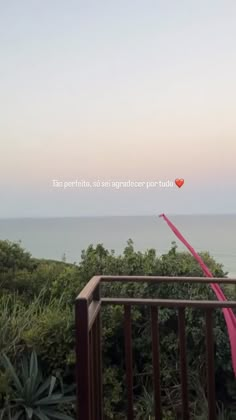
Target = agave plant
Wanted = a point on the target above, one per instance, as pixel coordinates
(32, 396)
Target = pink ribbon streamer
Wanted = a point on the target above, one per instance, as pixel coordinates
(229, 316)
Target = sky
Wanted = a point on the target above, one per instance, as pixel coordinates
(117, 91)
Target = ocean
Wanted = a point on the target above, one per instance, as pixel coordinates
(54, 237)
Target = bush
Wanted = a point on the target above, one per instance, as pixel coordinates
(13, 257)
(52, 336)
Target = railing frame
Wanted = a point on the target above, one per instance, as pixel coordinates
(89, 345)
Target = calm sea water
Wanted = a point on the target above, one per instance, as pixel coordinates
(51, 238)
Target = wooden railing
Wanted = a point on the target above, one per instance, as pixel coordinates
(88, 343)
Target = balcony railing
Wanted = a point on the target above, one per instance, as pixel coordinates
(89, 352)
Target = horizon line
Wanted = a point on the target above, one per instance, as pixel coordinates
(113, 216)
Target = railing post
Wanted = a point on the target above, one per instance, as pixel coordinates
(98, 357)
(210, 366)
(156, 362)
(82, 360)
(183, 364)
(129, 361)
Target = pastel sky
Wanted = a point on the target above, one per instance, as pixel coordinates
(101, 90)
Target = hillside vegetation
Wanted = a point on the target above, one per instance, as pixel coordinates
(37, 334)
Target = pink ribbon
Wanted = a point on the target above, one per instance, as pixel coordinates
(230, 318)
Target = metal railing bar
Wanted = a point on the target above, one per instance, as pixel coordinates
(89, 288)
(171, 303)
(164, 279)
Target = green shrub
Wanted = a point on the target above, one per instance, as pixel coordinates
(13, 257)
(52, 336)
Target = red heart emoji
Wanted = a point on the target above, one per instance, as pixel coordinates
(179, 182)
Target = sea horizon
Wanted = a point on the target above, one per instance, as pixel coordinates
(114, 216)
(56, 237)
